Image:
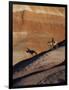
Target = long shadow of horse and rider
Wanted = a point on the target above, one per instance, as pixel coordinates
(22, 64)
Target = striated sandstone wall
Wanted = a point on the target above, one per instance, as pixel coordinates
(34, 26)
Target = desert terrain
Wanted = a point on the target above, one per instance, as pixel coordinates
(33, 28)
(46, 68)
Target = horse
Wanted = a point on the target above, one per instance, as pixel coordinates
(31, 51)
(53, 44)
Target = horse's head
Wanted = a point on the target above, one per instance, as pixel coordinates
(27, 50)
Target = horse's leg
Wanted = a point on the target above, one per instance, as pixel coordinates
(53, 45)
(56, 46)
(35, 52)
(32, 52)
(49, 46)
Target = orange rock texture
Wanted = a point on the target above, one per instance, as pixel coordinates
(34, 26)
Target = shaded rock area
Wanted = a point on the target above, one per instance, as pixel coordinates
(47, 67)
(34, 27)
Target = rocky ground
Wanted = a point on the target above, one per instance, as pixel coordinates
(45, 68)
(33, 27)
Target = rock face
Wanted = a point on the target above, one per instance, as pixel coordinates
(34, 26)
(42, 62)
(45, 68)
(52, 76)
